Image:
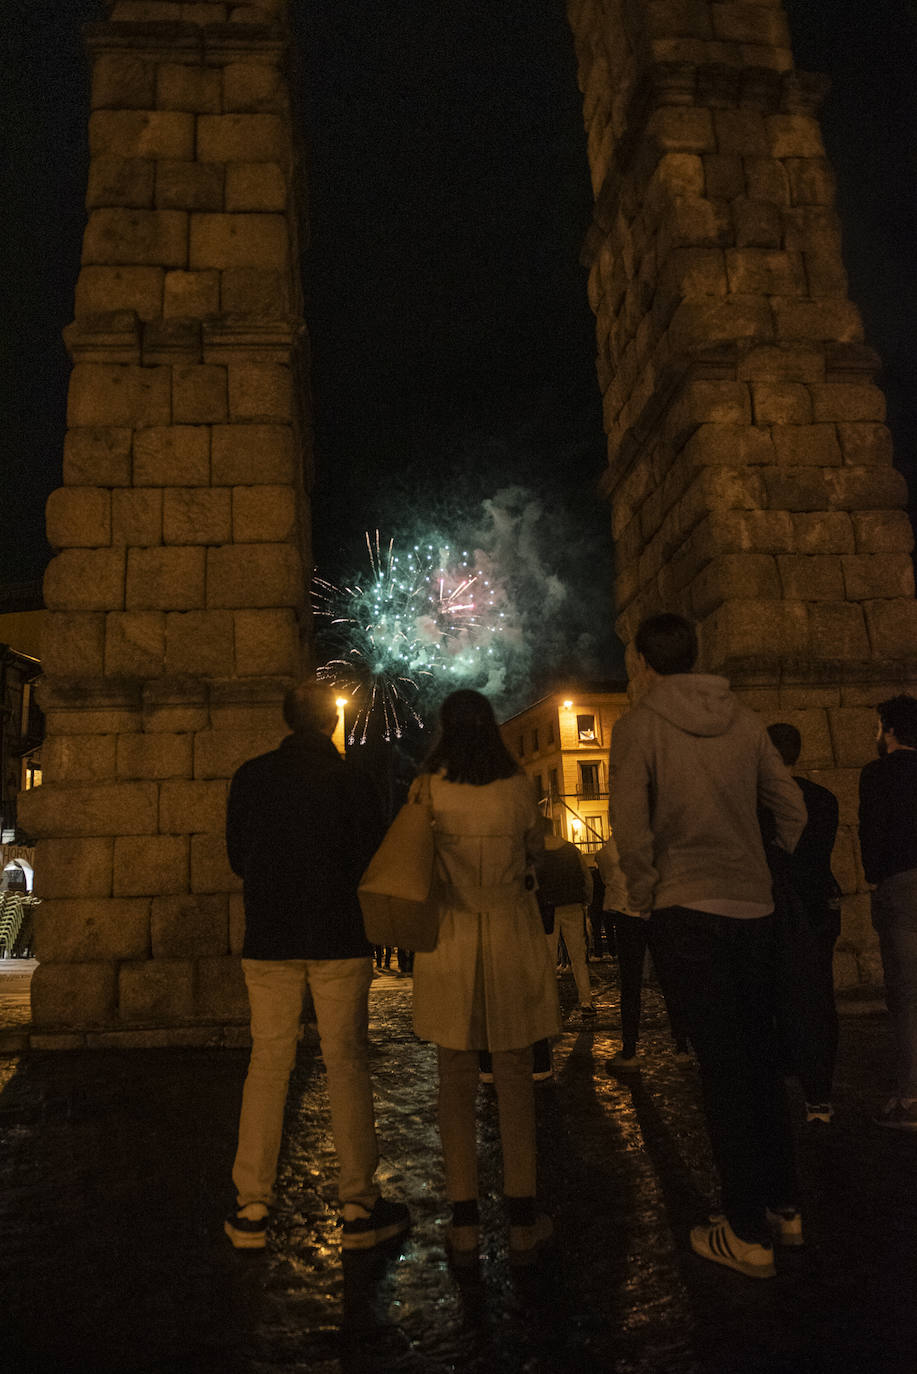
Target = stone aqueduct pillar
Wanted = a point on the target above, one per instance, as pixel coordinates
(175, 599)
(749, 467)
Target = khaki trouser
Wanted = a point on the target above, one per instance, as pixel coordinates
(568, 922)
(458, 1087)
(339, 989)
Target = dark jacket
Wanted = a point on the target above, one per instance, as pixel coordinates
(301, 826)
(888, 815)
(810, 862)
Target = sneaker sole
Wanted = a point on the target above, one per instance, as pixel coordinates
(245, 1240)
(699, 1240)
(366, 1240)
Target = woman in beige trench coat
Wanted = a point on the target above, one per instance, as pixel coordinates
(489, 984)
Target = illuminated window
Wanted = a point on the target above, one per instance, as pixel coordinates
(585, 729)
(589, 780)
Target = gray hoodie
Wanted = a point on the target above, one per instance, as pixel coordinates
(689, 767)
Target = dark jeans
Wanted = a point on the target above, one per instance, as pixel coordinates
(807, 1014)
(632, 934)
(725, 972)
(602, 923)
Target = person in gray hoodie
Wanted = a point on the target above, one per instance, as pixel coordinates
(689, 767)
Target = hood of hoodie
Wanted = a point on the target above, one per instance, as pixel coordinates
(697, 703)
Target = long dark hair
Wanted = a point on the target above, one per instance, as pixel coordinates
(468, 747)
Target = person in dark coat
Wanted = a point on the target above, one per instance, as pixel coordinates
(806, 1006)
(301, 826)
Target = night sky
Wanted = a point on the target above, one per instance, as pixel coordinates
(453, 346)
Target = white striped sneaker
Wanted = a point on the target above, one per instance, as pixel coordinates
(718, 1242)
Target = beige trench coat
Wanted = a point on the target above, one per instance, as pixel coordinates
(489, 983)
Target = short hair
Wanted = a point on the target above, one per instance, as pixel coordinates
(310, 705)
(899, 714)
(786, 740)
(469, 747)
(668, 642)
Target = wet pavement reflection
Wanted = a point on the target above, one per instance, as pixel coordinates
(114, 1179)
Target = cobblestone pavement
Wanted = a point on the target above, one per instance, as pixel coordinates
(114, 1179)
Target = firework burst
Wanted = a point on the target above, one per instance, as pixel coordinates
(419, 622)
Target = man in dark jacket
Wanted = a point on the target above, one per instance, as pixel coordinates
(888, 841)
(811, 918)
(301, 825)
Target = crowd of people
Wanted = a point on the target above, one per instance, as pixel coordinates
(719, 867)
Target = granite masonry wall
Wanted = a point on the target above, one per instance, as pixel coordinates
(175, 599)
(750, 474)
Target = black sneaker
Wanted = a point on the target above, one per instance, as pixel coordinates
(384, 1222)
(247, 1226)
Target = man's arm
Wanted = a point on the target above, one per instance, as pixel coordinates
(780, 794)
(629, 811)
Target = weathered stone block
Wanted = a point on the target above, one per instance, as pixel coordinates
(724, 176)
(892, 628)
(242, 138)
(113, 808)
(154, 755)
(730, 444)
(815, 577)
(263, 514)
(255, 186)
(236, 922)
(104, 289)
(790, 362)
(189, 186)
(145, 864)
(218, 753)
(741, 132)
(187, 808)
(256, 291)
(78, 517)
(847, 401)
(877, 531)
(829, 320)
(252, 453)
(826, 532)
(111, 395)
(811, 180)
(749, 531)
(759, 629)
(78, 758)
(146, 11)
(758, 223)
(191, 294)
(98, 456)
(199, 394)
(266, 643)
(695, 272)
(743, 575)
(136, 237)
(221, 992)
(838, 631)
(254, 575)
(238, 241)
(175, 706)
(682, 129)
(137, 517)
(766, 180)
(210, 871)
(200, 642)
(781, 403)
(190, 927)
(73, 994)
(193, 515)
(126, 182)
(806, 445)
(853, 733)
(870, 488)
(677, 174)
(99, 928)
(134, 643)
(866, 444)
(165, 579)
(72, 643)
(141, 133)
(794, 136)
(156, 990)
(171, 456)
(825, 273)
(195, 89)
(85, 580)
(701, 403)
(261, 392)
(250, 87)
(74, 868)
(122, 81)
(750, 23)
(764, 271)
(868, 575)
